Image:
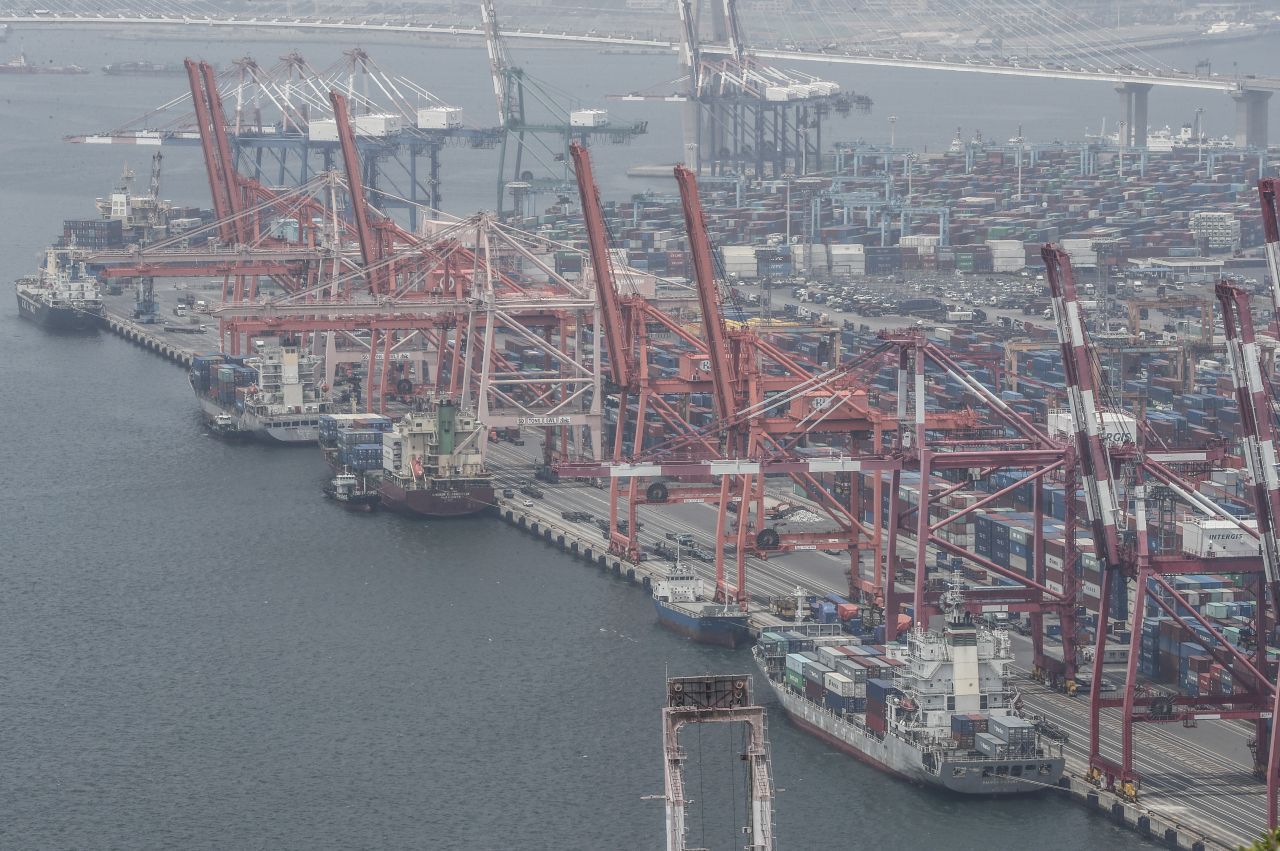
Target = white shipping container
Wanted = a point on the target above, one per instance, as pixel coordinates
(588, 118)
(851, 249)
(376, 124)
(1207, 538)
(777, 93)
(830, 655)
(1116, 427)
(439, 118)
(323, 130)
(839, 683)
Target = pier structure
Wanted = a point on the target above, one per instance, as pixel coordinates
(776, 414)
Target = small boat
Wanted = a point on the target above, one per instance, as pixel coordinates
(685, 605)
(226, 427)
(351, 492)
(20, 65)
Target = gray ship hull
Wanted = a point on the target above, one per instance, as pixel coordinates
(957, 773)
(294, 430)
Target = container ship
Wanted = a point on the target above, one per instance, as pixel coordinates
(144, 69)
(683, 605)
(936, 712)
(273, 396)
(20, 65)
(60, 299)
(432, 464)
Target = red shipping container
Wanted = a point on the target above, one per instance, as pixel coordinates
(844, 611)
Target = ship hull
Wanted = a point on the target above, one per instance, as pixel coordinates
(961, 775)
(267, 431)
(57, 318)
(444, 500)
(728, 631)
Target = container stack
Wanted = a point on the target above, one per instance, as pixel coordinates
(1016, 735)
(965, 727)
(1007, 255)
(878, 693)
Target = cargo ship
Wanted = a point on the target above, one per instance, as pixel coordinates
(683, 606)
(432, 464)
(144, 69)
(937, 712)
(60, 299)
(20, 65)
(273, 396)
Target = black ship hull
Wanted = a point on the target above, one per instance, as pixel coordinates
(58, 318)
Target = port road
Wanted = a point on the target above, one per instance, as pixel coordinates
(1201, 777)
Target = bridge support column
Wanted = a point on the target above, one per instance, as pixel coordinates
(1133, 106)
(1251, 118)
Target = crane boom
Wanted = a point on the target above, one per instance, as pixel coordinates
(369, 250)
(606, 287)
(733, 28)
(227, 167)
(1259, 442)
(217, 189)
(708, 293)
(1082, 398)
(498, 62)
(1271, 237)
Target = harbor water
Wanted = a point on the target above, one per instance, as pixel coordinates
(201, 652)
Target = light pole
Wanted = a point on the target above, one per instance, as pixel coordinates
(893, 120)
(1120, 154)
(1021, 148)
(1199, 131)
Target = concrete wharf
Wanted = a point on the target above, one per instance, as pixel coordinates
(1198, 793)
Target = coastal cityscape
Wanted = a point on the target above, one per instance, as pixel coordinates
(921, 455)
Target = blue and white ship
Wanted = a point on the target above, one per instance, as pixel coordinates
(684, 606)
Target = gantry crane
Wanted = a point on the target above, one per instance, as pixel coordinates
(1117, 466)
(1259, 450)
(536, 125)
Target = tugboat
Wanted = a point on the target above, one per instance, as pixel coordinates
(60, 300)
(684, 607)
(351, 492)
(224, 426)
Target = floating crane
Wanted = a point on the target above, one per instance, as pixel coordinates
(717, 700)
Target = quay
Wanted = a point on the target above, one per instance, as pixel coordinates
(1198, 794)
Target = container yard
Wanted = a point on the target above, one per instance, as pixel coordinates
(992, 398)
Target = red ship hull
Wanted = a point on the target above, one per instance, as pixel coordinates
(445, 500)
